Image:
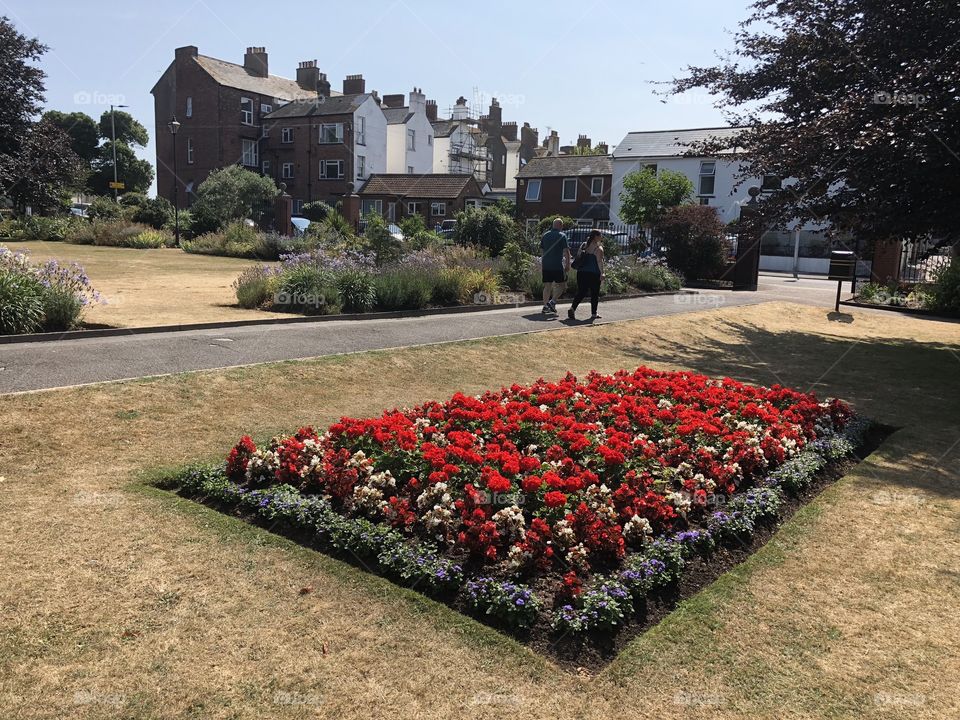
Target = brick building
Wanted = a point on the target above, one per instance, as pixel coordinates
(437, 197)
(220, 106)
(577, 186)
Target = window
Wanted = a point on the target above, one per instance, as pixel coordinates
(584, 223)
(286, 171)
(429, 139)
(438, 209)
(189, 151)
(704, 201)
(391, 211)
(297, 206)
(708, 178)
(265, 167)
(569, 190)
(409, 169)
(246, 111)
(413, 208)
(771, 183)
(286, 135)
(265, 109)
(651, 167)
(533, 191)
(411, 139)
(250, 153)
(361, 166)
(331, 169)
(331, 133)
(361, 134)
(264, 130)
(596, 186)
(371, 206)
(189, 112)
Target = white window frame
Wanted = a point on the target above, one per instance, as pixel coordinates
(189, 151)
(265, 108)
(361, 166)
(189, 110)
(249, 153)
(413, 207)
(361, 134)
(536, 183)
(438, 209)
(297, 206)
(584, 223)
(593, 187)
(708, 170)
(246, 116)
(286, 135)
(563, 190)
(286, 171)
(430, 140)
(411, 139)
(265, 167)
(410, 170)
(372, 206)
(337, 133)
(324, 173)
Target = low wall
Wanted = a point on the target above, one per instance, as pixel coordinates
(806, 266)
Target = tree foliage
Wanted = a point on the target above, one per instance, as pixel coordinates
(646, 194)
(44, 167)
(135, 173)
(856, 100)
(693, 236)
(485, 227)
(229, 194)
(21, 85)
(129, 130)
(82, 129)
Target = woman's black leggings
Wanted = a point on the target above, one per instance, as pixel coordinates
(587, 282)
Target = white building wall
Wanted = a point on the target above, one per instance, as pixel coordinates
(397, 148)
(512, 167)
(421, 157)
(441, 154)
(375, 149)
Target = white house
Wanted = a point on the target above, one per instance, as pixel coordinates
(370, 139)
(456, 150)
(802, 249)
(409, 135)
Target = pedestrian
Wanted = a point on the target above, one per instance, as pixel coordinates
(556, 264)
(589, 266)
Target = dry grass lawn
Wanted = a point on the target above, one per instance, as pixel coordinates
(152, 287)
(122, 601)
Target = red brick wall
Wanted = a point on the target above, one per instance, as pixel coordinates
(551, 197)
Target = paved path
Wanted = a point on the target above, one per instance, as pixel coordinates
(35, 366)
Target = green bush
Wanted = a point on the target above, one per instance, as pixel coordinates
(487, 228)
(316, 211)
(151, 239)
(308, 290)
(652, 278)
(452, 286)
(358, 291)
(237, 239)
(39, 227)
(694, 238)
(133, 199)
(515, 267)
(156, 212)
(104, 208)
(255, 287)
(377, 238)
(944, 293)
(547, 223)
(21, 303)
(403, 290)
(61, 309)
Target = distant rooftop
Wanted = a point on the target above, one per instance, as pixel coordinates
(567, 166)
(339, 105)
(669, 143)
(236, 76)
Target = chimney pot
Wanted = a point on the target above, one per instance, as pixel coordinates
(354, 85)
(255, 62)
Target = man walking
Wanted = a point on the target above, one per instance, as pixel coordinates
(556, 264)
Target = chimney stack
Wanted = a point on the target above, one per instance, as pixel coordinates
(553, 144)
(509, 131)
(354, 85)
(603, 148)
(323, 85)
(393, 101)
(460, 110)
(418, 101)
(308, 75)
(432, 110)
(376, 97)
(494, 116)
(255, 61)
(584, 142)
(187, 51)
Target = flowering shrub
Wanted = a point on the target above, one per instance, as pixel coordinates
(600, 490)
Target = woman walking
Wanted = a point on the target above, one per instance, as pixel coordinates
(589, 266)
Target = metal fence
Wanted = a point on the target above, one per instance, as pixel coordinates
(922, 260)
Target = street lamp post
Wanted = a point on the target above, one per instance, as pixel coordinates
(113, 137)
(173, 126)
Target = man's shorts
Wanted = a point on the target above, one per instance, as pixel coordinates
(554, 276)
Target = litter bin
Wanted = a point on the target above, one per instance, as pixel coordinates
(843, 266)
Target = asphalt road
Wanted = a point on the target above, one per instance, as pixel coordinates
(36, 366)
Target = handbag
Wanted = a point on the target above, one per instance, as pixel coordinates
(580, 259)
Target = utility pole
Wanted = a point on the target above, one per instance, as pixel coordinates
(113, 138)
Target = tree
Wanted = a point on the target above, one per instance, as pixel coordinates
(129, 130)
(156, 212)
(82, 129)
(43, 168)
(231, 193)
(485, 227)
(647, 194)
(136, 174)
(21, 86)
(587, 150)
(693, 236)
(856, 102)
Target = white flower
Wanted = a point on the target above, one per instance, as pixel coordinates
(637, 529)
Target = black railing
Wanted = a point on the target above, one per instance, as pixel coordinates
(922, 260)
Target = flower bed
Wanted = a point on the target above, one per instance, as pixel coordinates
(558, 506)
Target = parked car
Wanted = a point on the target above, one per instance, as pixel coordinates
(80, 209)
(578, 235)
(300, 225)
(395, 231)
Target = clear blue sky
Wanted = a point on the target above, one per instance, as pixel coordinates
(576, 67)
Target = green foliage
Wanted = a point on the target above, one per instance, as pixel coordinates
(694, 238)
(132, 199)
(515, 267)
(413, 224)
(155, 212)
(81, 128)
(547, 223)
(944, 293)
(358, 290)
(403, 290)
(134, 172)
(255, 287)
(39, 227)
(307, 289)
(115, 233)
(61, 309)
(104, 208)
(151, 239)
(21, 303)
(486, 227)
(385, 247)
(646, 195)
(129, 131)
(316, 211)
(230, 194)
(651, 277)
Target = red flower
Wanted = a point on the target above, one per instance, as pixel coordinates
(554, 499)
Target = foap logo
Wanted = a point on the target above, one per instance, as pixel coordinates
(699, 300)
(96, 97)
(95, 697)
(898, 98)
(485, 298)
(495, 698)
(896, 497)
(690, 98)
(691, 698)
(284, 697)
(503, 99)
(502, 499)
(300, 300)
(898, 700)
